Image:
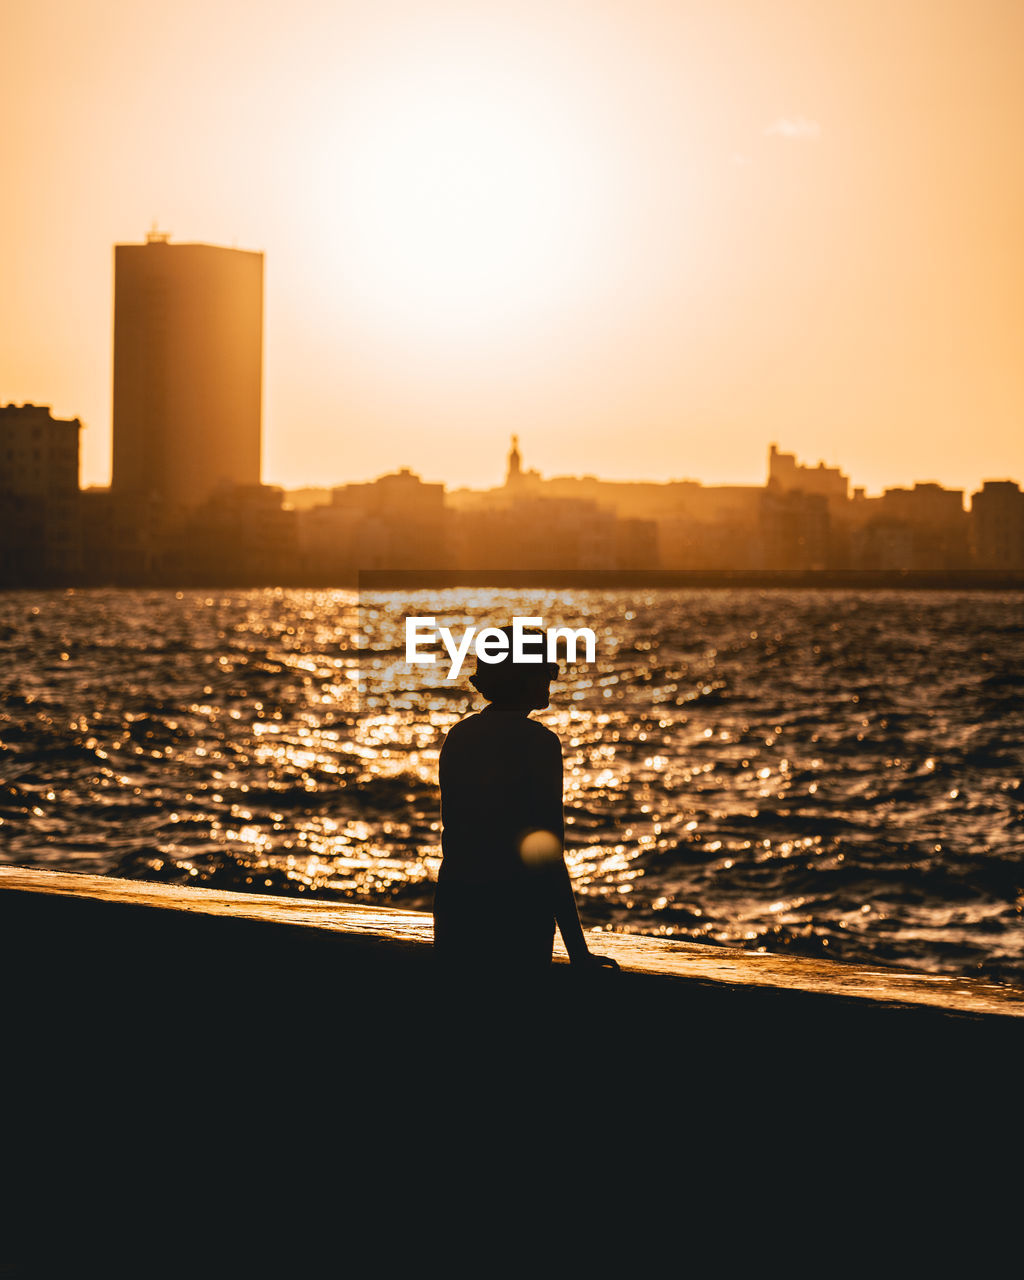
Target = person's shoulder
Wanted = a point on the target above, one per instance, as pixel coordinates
(464, 728)
(542, 733)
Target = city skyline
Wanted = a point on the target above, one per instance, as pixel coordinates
(647, 240)
(499, 479)
(152, 529)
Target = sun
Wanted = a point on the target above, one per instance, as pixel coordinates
(465, 200)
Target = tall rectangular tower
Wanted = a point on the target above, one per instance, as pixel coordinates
(188, 369)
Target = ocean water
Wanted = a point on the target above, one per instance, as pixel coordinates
(828, 773)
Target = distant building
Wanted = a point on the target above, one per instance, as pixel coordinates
(794, 530)
(636, 544)
(937, 522)
(40, 525)
(401, 494)
(394, 522)
(923, 528)
(240, 536)
(188, 369)
(515, 465)
(997, 520)
(308, 496)
(533, 533)
(123, 536)
(925, 504)
(516, 479)
(786, 475)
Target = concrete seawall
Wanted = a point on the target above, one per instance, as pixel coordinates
(105, 943)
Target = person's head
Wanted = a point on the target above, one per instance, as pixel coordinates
(519, 685)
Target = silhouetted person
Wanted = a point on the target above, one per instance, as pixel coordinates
(503, 882)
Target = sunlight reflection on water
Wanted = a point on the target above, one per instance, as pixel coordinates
(834, 773)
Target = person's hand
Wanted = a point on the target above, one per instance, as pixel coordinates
(591, 963)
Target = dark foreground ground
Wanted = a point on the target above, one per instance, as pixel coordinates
(174, 1061)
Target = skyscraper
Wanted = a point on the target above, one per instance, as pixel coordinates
(188, 369)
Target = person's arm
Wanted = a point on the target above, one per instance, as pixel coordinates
(567, 915)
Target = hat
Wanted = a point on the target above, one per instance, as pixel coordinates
(504, 676)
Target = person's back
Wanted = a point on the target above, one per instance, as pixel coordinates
(501, 779)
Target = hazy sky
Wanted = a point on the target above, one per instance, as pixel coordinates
(650, 237)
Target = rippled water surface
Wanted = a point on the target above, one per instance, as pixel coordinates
(825, 772)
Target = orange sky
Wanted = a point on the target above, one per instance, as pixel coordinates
(649, 237)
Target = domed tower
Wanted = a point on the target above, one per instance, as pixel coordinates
(515, 465)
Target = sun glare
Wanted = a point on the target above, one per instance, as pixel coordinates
(467, 202)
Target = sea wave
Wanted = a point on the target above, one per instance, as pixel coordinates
(832, 773)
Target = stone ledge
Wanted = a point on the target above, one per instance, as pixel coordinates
(685, 964)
